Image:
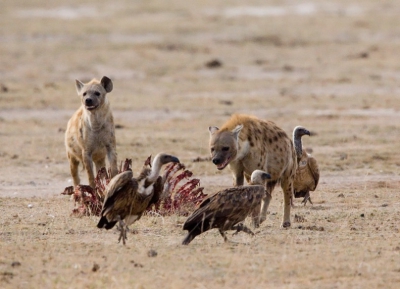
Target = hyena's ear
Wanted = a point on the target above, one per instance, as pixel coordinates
(212, 129)
(236, 131)
(107, 83)
(78, 86)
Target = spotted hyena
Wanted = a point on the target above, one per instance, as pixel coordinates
(90, 134)
(247, 143)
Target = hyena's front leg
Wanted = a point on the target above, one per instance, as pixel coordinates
(287, 188)
(255, 216)
(264, 207)
(238, 180)
(112, 159)
(238, 173)
(259, 214)
(99, 164)
(265, 202)
(88, 162)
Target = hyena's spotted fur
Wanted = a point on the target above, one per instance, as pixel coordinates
(247, 143)
(90, 134)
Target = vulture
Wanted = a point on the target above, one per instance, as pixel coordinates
(226, 209)
(307, 174)
(127, 197)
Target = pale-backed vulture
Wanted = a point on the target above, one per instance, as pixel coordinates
(226, 209)
(127, 197)
(307, 174)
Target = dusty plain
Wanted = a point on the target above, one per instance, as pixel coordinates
(331, 66)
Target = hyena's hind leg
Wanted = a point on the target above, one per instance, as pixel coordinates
(259, 214)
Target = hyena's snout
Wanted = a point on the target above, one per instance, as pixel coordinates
(216, 161)
(90, 103)
(221, 161)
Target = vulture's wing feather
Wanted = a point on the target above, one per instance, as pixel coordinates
(313, 168)
(114, 188)
(238, 202)
(233, 203)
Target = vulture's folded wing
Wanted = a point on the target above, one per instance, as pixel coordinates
(114, 189)
(313, 167)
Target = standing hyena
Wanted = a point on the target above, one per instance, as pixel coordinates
(247, 143)
(90, 134)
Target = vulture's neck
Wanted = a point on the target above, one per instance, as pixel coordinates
(155, 170)
(298, 146)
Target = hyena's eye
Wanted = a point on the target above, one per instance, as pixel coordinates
(225, 149)
(212, 150)
(97, 93)
(84, 94)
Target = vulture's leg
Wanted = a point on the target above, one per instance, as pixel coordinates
(241, 227)
(307, 198)
(223, 235)
(123, 229)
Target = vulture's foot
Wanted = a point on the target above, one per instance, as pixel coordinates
(223, 235)
(306, 199)
(241, 227)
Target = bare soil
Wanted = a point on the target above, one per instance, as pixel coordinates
(179, 67)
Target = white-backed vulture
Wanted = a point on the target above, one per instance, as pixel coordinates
(226, 209)
(307, 174)
(127, 197)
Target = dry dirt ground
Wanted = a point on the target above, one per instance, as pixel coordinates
(178, 67)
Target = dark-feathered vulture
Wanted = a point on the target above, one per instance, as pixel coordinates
(226, 209)
(307, 174)
(127, 197)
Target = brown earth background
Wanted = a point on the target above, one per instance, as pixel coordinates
(331, 66)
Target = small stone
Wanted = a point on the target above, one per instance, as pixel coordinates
(136, 264)
(95, 267)
(15, 264)
(30, 206)
(341, 195)
(3, 88)
(299, 219)
(152, 253)
(362, 215)
(226, 102)
(214, 63)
